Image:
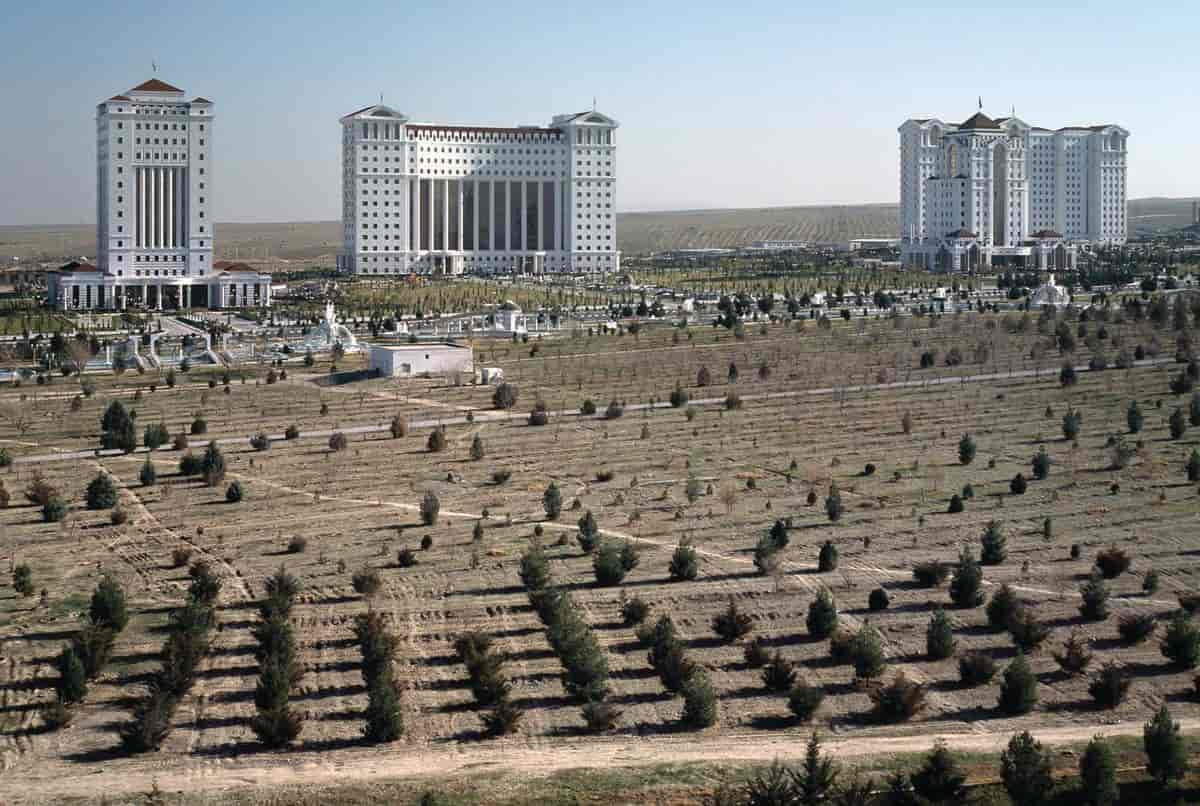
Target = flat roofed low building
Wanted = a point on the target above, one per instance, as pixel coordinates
(408, 360)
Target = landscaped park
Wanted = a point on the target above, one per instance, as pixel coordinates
(655, 561)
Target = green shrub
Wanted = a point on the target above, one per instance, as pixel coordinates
(684, 562)
(993, 544)
(827, 559)
(897, 701)
(967, 581)
(878, 600)
(1025, 769)
(1110, 687)
(1075, 657)
(1098, 774)
(939, 779)
(108, 608)
(1094, 598)
(148, 475)
(155, 436)
(699, 701)
(72, 678)
(930, 574)
(867, 653)
(822, 618)
(552, 502)
(1181, 642)
(731, 623)
(1166, 755)
(101, 492)
(1112, 562)
(234, 492)
(1018, 688)
(430, 508)
(804, 699)
(976, 668)
(939, 636)
(1026, 631)
(1135, 628)
(966, 450)
(779, 675)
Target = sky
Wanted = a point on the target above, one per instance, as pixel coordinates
(747, 104)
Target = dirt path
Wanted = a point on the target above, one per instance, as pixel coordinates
(439, 762)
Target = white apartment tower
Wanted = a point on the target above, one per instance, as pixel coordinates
(1004, 193)
(154, 226)
(442, 199)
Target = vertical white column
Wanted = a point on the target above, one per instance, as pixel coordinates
(405, 201)
(475, 216)
(142, 219)
(171, 207)
(445, 244)
(508, 244)
(158, 209)
(541, 237)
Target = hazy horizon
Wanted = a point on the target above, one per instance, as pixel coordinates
(760, 106)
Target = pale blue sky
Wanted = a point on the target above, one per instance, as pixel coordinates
(722, 104)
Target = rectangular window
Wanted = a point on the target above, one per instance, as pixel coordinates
(485, 215)
(439, 216)
(452, 188)
(531, 215)
(514, 215)
(468, 201)
(547, 216)
(500, 219)
(424, 191)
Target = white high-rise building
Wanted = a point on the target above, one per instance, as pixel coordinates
(441, 199)
(154, 227)
(1004, 193)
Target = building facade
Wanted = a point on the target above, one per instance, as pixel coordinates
(154, 231)
(1001, 192)
(441, 199)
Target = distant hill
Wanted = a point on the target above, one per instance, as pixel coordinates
(694, 229)
(636, 232)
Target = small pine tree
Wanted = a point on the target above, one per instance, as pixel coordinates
(939, 636)
(1025, 770)
(939, 779)
(1177, 424)
(212, 465)
(867, 653)
(1018, 689)
(1193, 466)
(966, 450)
(607, 564)
(779, 675)
(699, 701)
(72, 677)
(833, 504)
(976, 668)
(535, 568)
(1041, 464)
(1026, 631)
(822, 618)
(1094, 598)
(1098, 774)
(148, 476)
(101, 493)
(430, 508)
(589, 532)
(877, 600)
(814, 782)
(994, 545)
(804, 699)
(684, 562)
(1181, 642)
(552, 502)
(1075, 657)
(1110, 687)
(384, 721)
(827, 559)
(1134, 418)
(1003, 605)
(108, 605)
(1166, 756)
(967, 582)
(477, 450)
(731, 623)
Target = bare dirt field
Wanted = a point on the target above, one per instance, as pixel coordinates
(817, 406)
